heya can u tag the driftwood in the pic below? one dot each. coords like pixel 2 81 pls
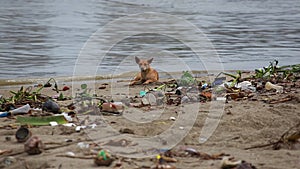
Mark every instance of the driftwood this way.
pixel 285 137
pixel 285 99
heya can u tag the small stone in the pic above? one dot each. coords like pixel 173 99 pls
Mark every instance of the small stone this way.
pixel 126 131
pixel 184 99
pixel 70 153
pixel 102 87
pixel 9 160
pixel 7 138
pixel 51 106
pixel 173 118
pixel 145 101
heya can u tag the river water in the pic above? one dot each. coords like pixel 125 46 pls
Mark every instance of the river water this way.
pixel 42 38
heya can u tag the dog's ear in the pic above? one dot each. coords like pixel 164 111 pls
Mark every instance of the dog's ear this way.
pixel 137 60
pixel 150 60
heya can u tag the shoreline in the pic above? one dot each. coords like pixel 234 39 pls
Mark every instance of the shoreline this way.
pixel 98 78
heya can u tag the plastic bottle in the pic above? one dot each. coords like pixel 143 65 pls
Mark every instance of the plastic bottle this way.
pixel 4 114
pixel 21 110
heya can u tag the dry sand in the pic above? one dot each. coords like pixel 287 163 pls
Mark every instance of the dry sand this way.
pixel 245 123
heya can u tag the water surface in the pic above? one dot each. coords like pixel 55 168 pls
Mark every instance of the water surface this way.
pixel 41 38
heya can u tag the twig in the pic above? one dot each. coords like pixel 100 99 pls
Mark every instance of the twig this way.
pixel 26 164
pixel 79 157
pixel 261 146
pixel 44 166
pixel 281 100
pixel 3 152
pixel 59 146
pixel 16 153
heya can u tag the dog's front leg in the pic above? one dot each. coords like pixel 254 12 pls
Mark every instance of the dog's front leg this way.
pixel 134 82
pixel 148 81
pixel 137 80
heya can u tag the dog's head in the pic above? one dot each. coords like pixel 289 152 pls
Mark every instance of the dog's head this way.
pixel 143 64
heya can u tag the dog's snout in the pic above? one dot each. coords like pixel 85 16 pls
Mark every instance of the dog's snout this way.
pixel 143 67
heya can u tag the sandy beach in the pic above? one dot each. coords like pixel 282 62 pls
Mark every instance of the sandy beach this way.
pixel 244 123
pixel 66 100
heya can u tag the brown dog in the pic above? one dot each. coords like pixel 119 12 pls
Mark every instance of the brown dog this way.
pixel 147 74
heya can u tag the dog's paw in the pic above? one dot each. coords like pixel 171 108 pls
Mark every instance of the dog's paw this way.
pixel 132 83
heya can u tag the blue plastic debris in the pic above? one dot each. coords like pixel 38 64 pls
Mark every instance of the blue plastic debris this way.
pixel 4 114
pixel 143 93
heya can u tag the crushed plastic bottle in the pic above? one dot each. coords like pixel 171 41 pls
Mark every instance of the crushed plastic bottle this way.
pixel 270 86
pixel 246 85
pixel 21 110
